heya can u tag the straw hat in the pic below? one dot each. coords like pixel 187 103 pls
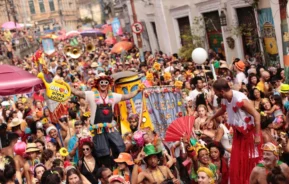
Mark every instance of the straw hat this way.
pixel 15 122
pixel 94 64
pixel 31 147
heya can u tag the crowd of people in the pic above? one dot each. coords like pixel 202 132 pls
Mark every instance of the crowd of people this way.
pixel 240 132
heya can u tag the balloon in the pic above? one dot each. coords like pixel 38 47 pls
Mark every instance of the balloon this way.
pixel 199 55
pixel 19 148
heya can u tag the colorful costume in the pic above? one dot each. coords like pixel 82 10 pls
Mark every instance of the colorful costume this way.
pixel 245 155
pixel 107 139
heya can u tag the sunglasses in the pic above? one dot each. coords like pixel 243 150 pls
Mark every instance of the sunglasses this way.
pixel 85 149
pixel 103 82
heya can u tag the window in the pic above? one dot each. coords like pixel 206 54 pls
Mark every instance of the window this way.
pixel 51 5
pixel 41 6
pixel 31 6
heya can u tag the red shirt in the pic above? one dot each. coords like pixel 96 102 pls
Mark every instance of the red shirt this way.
pixel 37 97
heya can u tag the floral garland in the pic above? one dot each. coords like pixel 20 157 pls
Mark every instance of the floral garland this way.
pixel 97 97
pixel 101 127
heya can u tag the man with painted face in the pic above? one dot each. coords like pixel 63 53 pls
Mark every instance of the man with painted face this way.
pixel 270 160
pixel 101 102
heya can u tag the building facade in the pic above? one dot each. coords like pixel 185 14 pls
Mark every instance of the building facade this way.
pixel 255 28
pixel 90 10
pixel 45 15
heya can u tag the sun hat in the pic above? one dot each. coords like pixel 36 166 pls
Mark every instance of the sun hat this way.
pixel 31 147
pixel 49 129
pixel 94 64
pixel 149 150
pixel 15 122
pixel 124 157
pixel 116 178
pixel 240 65
pixel 284 88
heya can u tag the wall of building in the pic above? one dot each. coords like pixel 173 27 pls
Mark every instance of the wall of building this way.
pixel 164 13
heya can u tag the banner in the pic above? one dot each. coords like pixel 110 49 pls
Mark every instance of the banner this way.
pixel 266 23
pixel 164 105
pixel 48 46
pixel 116 27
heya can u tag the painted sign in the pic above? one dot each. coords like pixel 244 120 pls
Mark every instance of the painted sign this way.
pixel 116 27
pixel 48 46
pixel 57 90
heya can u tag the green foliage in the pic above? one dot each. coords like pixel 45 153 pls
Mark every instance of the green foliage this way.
pixel 192 38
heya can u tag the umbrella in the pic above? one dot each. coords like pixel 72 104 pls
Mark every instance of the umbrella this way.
pixel 92 33
pixel 11 25
pixel 14 80
pixel 120 46
pixel 71 34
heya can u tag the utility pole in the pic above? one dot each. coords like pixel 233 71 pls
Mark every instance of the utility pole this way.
pixel 60 12
pixel 139 40
pixel 7 10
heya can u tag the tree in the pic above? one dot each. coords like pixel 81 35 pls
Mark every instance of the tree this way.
pixel 193 38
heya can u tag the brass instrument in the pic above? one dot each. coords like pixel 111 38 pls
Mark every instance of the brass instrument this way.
pixel 75 52
pixel 67 50
pixel 90 47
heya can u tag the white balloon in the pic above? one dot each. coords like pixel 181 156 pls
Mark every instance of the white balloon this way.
pixel 199 55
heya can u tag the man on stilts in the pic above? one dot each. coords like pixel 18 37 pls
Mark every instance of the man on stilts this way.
pixel 107 139
pixel 245 120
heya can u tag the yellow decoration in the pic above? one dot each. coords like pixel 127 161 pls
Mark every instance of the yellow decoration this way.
pixel 57 90
pixel 86 114
pixel 179 84
pixel 63 152
pixel 141 87
pixel 167 76
pixel 157 66
pixel 149 76
pixel 179 103
pixel 44 120
pixel 130 84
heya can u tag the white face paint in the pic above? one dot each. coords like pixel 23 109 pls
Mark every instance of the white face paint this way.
pixel 103 85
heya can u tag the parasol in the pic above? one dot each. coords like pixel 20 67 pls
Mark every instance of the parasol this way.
pixel 71 34
pixel 120 46
pixel 14 80
pixel 180 127
pixel 92 33
pixel 11 25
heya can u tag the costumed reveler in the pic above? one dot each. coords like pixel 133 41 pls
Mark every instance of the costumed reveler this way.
pixel 245 120
pixel 106 137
